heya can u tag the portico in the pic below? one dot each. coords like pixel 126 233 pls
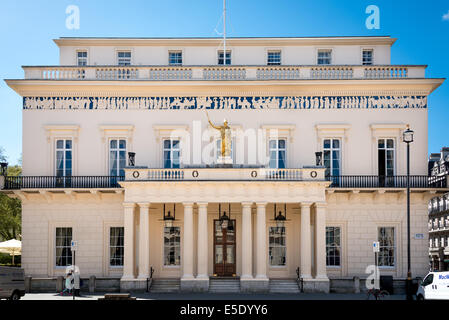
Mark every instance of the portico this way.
pixel 248 242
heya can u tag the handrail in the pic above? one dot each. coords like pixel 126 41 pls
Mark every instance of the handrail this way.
pixel 299 280
pixel 55 182
pixel 375 181
pixel 150 279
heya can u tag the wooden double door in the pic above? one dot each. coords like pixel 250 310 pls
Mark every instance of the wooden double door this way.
pixel 224 249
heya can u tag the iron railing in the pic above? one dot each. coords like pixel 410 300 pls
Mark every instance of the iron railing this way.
pixel 383 182
pixel 53 182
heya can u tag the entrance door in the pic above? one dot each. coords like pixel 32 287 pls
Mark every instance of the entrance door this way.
pixel 224 249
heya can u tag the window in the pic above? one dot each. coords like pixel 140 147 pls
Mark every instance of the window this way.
pixel 63 158
pixel 324 56
pixel 277 153
pixel 367 57
pixel 333 246
pixel 175 58
pixel 274 58
pixel 332 156
pixel 172 153
pixel 172 246
pixel 81 57
pixel 386 157
pixel 277 247
pixel 218 149
pixel 63 244
pixel 117 157
pixel 428 280
pixel 116 246
pixel 124 58
pixel 386 255
pixel 228 57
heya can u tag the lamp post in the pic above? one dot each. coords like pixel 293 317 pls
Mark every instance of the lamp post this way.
pixel 3 168
pixel 407 137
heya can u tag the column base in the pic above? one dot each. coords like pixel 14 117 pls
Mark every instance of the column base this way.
pixel 133 285
pixel 195 284
pixel 254 285
pixel 321 285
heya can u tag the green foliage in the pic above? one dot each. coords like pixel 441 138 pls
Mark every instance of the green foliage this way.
pixel 6 260
pixel 10 218
pixel 14 171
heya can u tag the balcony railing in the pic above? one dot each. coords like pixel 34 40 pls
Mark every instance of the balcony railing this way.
pixel 159 73
pixel 52 182
pixel 383 182
pixel 246 174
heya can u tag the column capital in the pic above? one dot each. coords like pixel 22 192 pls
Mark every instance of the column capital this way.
pixel 129 205
pixel 320 205
pixel 247 204
pixel 201 204
pixel 187 204
pixel 306 204
pixel 261 204
pixel 144 204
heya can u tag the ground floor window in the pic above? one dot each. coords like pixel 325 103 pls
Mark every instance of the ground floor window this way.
pixel 277 247
pixel 116 246
pixel 333 246
pixel 172 246
pixel 386 257
pixel 63 251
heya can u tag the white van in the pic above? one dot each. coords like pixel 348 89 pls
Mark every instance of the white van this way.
pixel 12 283
pixel 434 286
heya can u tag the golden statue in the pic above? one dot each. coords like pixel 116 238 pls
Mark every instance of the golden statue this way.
pixel 225 132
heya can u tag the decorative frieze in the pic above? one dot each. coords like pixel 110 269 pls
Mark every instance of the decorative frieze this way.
pixel 232 103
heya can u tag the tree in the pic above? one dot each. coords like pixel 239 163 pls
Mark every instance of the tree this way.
pixel 10 209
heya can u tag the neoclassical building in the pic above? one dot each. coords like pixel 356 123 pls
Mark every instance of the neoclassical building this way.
pixel 119 155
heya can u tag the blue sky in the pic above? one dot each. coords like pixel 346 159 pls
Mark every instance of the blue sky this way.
pixel 28 27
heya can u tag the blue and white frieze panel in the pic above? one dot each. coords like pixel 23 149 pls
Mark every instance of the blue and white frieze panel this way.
pixel 194 103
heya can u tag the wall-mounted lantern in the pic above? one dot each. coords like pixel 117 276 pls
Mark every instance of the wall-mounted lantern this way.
pixel 224 219
pixel 318 157
pixel 280 218
pixel 168 217
pixel 131 159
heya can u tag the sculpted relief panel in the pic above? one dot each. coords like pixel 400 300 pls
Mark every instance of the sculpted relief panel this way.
pixel 232 103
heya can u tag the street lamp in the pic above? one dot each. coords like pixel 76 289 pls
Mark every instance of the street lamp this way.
pixel 168 218
pixel 280 219
pixel 407 137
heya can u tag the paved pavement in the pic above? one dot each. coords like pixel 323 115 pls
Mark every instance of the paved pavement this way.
pixel 214 296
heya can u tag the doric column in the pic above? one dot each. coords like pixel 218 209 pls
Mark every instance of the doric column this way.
pixel 320 240
pixel 306 245
pixel 202 242
pixel 187 253
pixel 144 241
pixel 261 267
pixel 247 252
pixel 128 261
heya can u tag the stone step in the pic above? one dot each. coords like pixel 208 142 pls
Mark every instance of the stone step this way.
pixel 165 285
pixel 284 286
pixel 224 285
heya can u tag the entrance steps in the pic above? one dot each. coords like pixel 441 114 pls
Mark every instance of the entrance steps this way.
pixel 284 286
pixel 224 285
pixel 165 286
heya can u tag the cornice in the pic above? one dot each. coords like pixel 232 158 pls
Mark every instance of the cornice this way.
pixel 401 87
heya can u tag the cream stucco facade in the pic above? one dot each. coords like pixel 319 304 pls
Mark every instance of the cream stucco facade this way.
pixel 148 102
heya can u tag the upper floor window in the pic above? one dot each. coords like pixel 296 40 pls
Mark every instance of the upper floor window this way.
pixel 324 57
pixel 124 58
pixel 367 57
pixel 386 153
pixel 221 58
pixel 172 153
pixel 274 58
pixel 277 153
pixel 332 156
pixel 277 246
pixel 116 246
pixel 63 157
pixel 333 246
pixel 387 247
pixel 117 157
pixel 175 58
pixel 81 58
pixel 63 242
